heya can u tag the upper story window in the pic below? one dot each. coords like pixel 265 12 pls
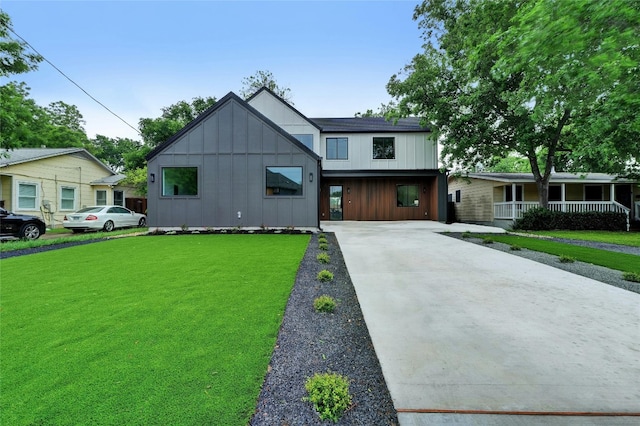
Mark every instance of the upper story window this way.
pixel 337 148
pixel 179 181
pixel 67 198
pixel 384 148
pixel 284 181
pixel 307 140
pixel 27 195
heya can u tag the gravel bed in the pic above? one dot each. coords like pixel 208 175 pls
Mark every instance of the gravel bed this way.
pixel 598 273
pixel 311 342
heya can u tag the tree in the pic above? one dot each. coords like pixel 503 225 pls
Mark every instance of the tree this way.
pixel 260 79
pixel 154 131
pixel 553 81
pixel 113 151
pixel 383 111
pixel 22 121
pixel 15 57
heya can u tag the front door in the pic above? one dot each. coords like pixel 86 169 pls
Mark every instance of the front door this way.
pixel 335 202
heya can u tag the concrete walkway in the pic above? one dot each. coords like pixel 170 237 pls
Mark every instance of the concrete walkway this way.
pixel 486 337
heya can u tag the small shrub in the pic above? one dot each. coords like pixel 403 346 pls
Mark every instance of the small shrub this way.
pixel 631 276
pixel 515 247
pixel 563 258
pixel 324 303
pixel 487 240
pixel 323 246
pixel 184 227
pixel 329 394
pixel 322 240
pixel 325 276
pixel 322 235
pixel 323 258
pixel 467 234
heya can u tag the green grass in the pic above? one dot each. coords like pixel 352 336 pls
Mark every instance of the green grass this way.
pixel 65 237
pixel 624 238
pixel 619 261
pixel 143 330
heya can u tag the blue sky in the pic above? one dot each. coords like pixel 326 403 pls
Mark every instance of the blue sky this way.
pixel 139 56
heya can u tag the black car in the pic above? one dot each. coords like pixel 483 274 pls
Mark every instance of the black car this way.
pixel 21 225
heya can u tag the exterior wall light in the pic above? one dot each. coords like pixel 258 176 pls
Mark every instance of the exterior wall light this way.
pixel 310 177
pixel 153 177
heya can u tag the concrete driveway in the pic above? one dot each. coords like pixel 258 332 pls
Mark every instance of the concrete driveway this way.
pixel 470 335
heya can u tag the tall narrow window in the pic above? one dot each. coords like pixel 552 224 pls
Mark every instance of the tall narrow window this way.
pixel 27 194
pixel 118 198
pixel 508 193
pixel 384 148
pixel 408 195
pixel 284 181
pixel 101 197
pixel 337 148
pixel 179 181
pixel 67 198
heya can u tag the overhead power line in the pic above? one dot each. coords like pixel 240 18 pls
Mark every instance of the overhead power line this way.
pixel 74 83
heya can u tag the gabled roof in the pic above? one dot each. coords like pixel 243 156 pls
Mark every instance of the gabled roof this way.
pixel 25 155
pixel 560 177
pixel 369 125
pixel 212 109
pixel 287 104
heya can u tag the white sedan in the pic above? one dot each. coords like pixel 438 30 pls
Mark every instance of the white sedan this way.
pixel 106 218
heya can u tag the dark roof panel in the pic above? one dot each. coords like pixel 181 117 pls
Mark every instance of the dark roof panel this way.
pixel 369 125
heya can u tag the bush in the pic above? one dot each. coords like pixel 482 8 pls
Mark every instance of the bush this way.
pixel 467 234
pixel 515 247
pixel 631 276
pixel 325 276
pixel 540 219
pixel 487 240
pixel 329 394
pixel 323 246
pixel 324 303
pixel 323 258
pixel 566 259
pixel 323 240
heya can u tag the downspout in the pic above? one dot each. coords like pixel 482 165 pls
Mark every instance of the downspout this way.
pixel 318 194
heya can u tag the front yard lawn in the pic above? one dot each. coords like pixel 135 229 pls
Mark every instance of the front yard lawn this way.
pixel 144 330
pixel 613 260
pixel 624 238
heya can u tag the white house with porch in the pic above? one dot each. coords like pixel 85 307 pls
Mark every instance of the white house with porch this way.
pixel 501 198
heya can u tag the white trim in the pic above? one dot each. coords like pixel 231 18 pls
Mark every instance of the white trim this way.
pixel 16 206
pixel 75 198
pixel 106 197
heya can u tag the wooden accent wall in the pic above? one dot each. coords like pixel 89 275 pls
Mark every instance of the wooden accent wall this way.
pixel 376 198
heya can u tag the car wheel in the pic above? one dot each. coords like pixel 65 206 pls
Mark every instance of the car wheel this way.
pixel 142 222
pixel 108 226
pixel 30 232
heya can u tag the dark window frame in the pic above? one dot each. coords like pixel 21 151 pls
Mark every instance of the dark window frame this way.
pixel 179 189
pixel 384 148
pixel 287 184
pixel 336 151
pixel 404 199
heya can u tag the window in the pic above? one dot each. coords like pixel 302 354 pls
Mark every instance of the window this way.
pixel 101 197
pixel 307 140
pixel 284 181
pixel 408 195
pixel 555 193
pixel 179 181
pixel 27 195
pixel 593 192
pixel 118 198
pixel 384 148
pixel 337 148
pixel 508 193
pixel 67 198
pixel 458 196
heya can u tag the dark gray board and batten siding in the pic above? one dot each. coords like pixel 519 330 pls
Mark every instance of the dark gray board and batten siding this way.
pixel 232 144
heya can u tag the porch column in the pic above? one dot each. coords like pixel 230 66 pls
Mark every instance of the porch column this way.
pixel 563 197
pixel 612 192
pixel 513 201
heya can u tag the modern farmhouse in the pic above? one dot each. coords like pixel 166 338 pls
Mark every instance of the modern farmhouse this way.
pixel 261 162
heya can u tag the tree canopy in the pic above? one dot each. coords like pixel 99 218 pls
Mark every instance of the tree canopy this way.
pixel 15 55
pixel 260 79
pixel 556 82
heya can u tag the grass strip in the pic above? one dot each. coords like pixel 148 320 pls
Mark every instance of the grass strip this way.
pixel 613 260
pixel 624 238
pixel 143 330
pixel 64 238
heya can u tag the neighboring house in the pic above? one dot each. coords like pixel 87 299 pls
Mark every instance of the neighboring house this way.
pixel 261 162
pixel 50 182
pixel 372 169
pixel 500 198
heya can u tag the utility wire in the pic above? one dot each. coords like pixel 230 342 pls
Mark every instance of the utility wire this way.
pixel 76 84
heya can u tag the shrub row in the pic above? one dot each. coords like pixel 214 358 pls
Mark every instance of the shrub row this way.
pixel 539 218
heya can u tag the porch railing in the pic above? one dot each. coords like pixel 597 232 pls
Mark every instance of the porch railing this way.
pixel 510 210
